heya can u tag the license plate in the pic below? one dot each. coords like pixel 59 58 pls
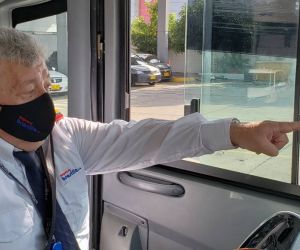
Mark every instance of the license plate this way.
pixel 55 87
pixel 167 74
pixel 152 77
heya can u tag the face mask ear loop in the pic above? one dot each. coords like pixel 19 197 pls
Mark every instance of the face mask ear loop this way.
pixel 52 148
pixel 1 107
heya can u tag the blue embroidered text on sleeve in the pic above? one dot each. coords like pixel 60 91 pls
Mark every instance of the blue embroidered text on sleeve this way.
pixel 68 173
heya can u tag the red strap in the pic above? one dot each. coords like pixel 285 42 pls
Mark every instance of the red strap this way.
pixel 58 116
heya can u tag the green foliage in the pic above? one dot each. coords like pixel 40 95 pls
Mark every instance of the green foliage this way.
pixel 144 35
pixel 194 31
pixel 195 25
pixel 232 30
pixel 141 38
pixel 177 31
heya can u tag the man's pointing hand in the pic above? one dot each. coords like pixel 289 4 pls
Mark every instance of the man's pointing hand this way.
pixel 265 137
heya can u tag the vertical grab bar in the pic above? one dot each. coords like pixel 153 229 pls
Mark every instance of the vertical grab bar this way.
pixel 195 106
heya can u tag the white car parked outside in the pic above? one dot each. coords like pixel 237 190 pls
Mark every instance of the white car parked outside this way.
pixel 59 82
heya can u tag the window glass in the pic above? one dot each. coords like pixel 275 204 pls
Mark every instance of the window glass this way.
pixel 51 33
pixel 157 83
pixel 237 56
pixel 242 55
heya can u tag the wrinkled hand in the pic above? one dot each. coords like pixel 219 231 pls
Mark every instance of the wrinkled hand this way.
pixel 265 137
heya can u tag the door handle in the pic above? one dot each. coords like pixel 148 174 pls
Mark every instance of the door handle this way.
pixel 151 184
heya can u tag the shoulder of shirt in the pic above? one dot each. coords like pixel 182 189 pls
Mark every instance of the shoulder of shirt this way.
pixel 65 121
pixel 59 117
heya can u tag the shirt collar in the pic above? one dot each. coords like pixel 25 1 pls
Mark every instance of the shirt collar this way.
pixel 6 151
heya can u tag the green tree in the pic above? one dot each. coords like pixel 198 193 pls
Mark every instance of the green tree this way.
pixel 195 28
pixel 195 25
pixel 231 29
pixel 144 35
pixel 177 31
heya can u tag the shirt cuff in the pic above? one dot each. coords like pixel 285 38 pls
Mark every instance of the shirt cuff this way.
pixel 216 135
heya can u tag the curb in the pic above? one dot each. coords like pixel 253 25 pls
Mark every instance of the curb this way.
pixel 183 79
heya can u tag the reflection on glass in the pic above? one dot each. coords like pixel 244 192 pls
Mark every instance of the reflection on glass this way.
pixel 248 65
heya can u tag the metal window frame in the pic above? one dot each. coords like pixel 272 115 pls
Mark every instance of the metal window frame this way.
pixel 33 12
pixel 295 151
pixel 97 78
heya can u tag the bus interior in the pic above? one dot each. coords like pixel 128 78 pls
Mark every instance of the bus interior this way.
pixel 229 58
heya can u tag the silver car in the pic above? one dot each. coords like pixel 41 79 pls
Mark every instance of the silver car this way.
pixel 141 71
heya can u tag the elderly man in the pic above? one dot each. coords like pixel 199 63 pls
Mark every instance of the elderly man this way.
pixel 44 162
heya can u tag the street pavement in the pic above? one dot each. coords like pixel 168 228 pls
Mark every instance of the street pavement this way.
pixel 161 101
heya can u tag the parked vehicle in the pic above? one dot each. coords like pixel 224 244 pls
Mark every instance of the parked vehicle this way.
pixel 59 82
pixel 143 72
pixel 165 68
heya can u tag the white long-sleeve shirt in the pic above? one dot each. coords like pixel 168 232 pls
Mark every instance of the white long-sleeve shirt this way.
pixel 86 148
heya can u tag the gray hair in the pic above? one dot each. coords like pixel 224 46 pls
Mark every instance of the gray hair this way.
pixel 19 47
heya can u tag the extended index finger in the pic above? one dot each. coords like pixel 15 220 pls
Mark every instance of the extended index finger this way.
pixel 287 127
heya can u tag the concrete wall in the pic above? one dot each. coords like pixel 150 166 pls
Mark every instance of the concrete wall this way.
pixel 48 42
pixel 51 33
pixel 134 9
pixel 193 65
pixel 177 61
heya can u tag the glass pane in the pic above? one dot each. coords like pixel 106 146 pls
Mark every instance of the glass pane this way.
pixel 157 83
pixel 242 55
pixel 51 33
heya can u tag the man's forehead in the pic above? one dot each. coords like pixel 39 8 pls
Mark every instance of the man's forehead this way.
pixel 21 69
pixel 37 64
pixel 16 75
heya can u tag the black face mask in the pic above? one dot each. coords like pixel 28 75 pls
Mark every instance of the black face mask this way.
pixel 32 121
